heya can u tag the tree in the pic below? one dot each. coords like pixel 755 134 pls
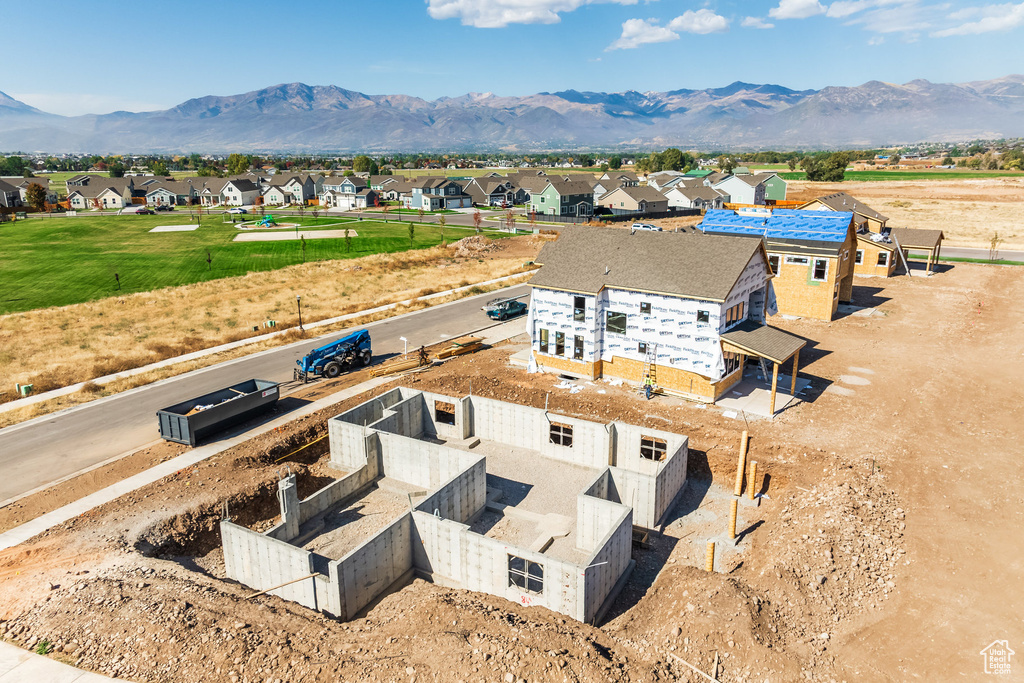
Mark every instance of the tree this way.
pixel 159 168
pixel 674 159
pixel 441 220
pixel 374 169
pixel 361 164
pixel 116 170
pixel 384 210
pixel 792 164
pixel 615 163
pixel 894 159
pixel 348 241
pixel 238 164
pixel 420 212
pixel 36 196
pixel 510 220
pixel 993 246
pixel 725 163
pixel 412 232
pixel 948 161
pixel 303 238
pixel 315 213
pixel 825 167
pixel 477 219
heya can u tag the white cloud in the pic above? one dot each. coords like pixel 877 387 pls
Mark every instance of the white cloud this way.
pixel 876 40
pixel 756 22
pixel 991 18
pixel 637 32
pixel 796 9
pixel 893 16
pixel 76 104
pixel 499 13
pixel 702 21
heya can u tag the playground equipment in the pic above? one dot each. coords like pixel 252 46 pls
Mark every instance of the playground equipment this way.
pixel 266 222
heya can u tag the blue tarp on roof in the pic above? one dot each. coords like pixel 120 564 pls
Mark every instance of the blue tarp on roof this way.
pixel 783 224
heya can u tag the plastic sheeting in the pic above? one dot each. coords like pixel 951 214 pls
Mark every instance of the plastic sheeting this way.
pixel 786 224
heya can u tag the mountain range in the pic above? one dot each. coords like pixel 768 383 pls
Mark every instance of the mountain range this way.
pixel 295 117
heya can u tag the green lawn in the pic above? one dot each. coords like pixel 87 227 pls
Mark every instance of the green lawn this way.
pixel 61 261
pixel 937 174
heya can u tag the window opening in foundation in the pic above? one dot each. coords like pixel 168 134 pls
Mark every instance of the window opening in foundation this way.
pixel 525 575
pixel 579 309
pixel 560 434
pixel 653 448
pixel 444 413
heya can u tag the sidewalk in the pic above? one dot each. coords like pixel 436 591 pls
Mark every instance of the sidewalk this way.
pixel 22 666
pixel 22 533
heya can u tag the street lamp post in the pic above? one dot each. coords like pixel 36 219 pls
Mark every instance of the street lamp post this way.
pixel 298 302
pixel 405 342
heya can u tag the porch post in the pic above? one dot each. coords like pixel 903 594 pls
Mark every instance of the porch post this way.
pixel 775 382
pixel 796 369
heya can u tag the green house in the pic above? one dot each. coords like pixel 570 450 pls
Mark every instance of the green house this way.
pixel 774 188
pixel 564 198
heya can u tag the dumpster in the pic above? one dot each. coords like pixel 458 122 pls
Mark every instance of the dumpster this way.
pixel 193 420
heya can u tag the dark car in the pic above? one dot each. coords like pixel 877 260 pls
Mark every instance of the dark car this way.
pixel 149 212
pixel 504 309
pixel 165 207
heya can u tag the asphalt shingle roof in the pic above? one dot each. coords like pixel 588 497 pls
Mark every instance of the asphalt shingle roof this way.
pixel 840 201
pixel 917 239
pixel 692 265
pixel 765 341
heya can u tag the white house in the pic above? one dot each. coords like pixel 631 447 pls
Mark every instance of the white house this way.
pixel 684 196
pixel 681 308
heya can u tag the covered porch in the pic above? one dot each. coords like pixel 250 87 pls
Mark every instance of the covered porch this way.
pixel 908 239
pixel 751 340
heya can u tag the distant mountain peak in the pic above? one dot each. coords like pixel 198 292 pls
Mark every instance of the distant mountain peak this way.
pixel 297 117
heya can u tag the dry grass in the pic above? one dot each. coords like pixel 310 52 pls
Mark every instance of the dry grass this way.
pixel 969 212
pixel 56 347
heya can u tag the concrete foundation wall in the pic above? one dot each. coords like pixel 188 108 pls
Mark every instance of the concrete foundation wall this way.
pixel 439 429
pixel 333 493
pixel 648 486
pixel 370 568
pixel 260 562
pixel 596 516
pixel 529 428
pixel 462 497
pixel 604 568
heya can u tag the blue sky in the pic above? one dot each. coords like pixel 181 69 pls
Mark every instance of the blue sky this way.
pixel 142 56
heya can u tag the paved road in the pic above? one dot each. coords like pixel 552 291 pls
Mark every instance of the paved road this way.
pixel 966 252
pixel 41 451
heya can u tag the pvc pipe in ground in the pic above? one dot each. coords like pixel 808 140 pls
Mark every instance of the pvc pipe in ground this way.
pixel 751 480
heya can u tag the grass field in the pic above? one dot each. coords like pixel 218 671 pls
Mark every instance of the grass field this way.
pixel 56 262
pixel 937 174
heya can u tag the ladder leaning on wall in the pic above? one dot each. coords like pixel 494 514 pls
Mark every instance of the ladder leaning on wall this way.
pixel 650 369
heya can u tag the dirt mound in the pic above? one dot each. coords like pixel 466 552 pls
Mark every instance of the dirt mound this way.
pixel 474 245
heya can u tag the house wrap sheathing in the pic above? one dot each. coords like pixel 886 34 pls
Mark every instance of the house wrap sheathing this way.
pixel 428 446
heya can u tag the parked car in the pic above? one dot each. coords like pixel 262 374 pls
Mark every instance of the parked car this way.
pixel 646 226
pixel 237 209
pixel 148 212
pixel 503 309
pixel 165 207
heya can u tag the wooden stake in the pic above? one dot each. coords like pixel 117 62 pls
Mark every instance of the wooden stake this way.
pixel 733 505
pixel 751 482
pixel 741 464
pixel 683 661
pixel 709 557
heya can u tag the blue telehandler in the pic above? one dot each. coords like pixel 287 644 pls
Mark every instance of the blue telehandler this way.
pixel 332 359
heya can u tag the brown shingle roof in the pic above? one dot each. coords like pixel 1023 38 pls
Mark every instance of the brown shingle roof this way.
pixel 917 239
pixel 840 201
pixel 691 265
pixel 570 187
pixel 639 194
pixel 764 341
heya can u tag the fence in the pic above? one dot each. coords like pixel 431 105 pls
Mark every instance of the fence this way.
pixel 610 218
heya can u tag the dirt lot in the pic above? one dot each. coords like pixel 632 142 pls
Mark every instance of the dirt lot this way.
pixel 969 212
pixel 890 494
